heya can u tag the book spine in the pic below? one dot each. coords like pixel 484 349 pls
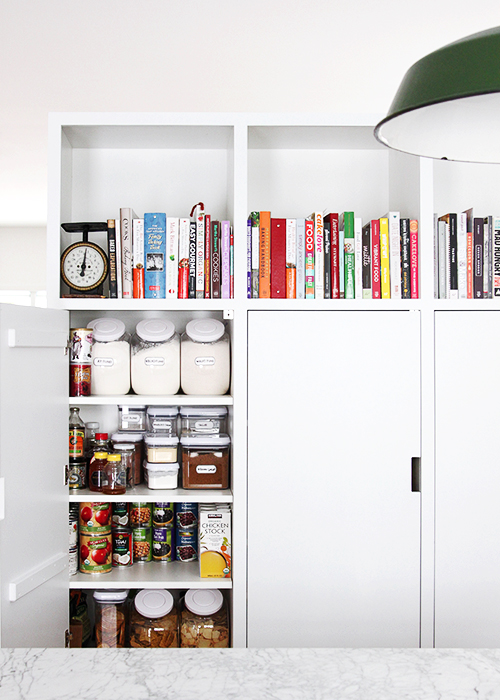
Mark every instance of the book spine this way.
pixel 249 258
pixel 447 257
pixel 118 258
pixel 200 252
pixel 126 237
pixel 319 256
pixel 192 260
pixel 496 256
pixel 291 258
pixel 453 257
pixel 301 258
pixel 334 255
pixel 414 271
pixel 442 258
pixel 349 255
pixel 309 232
pixel 207 271
pixel 225 259
pixel 478 258
pixel 112 259
pixel 278 258
pixel 215 255
pixel 231 263
pixel 138 258
pixel 436 258
pixel 404 228
pixel 488 258
pixel 366 261
pixel 265 254
pixel 255 218
pixel 385 275
pixel 155 248
pixel 183 282
pixel 358 259
pixel 470 265
pixel 376 287
pixel 394 254
pixel 327 240
pixel 462 255
pixel 341 261
pixel 172 261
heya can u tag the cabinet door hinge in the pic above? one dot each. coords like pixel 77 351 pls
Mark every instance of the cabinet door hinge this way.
pixel 67 639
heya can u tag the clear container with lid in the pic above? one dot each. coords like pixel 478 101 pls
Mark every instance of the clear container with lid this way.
pixel 110 357
pixel 110 618
pixel 162 419
pixel 136 440
pixel 204 621
pixel 131 417
pixel 154 620
pixel 205 461
pixel 204 420
pixel 161 476
pixel 127 452
pixel 161 447
pixel 156 361
pixel 115 475
pixel 205 358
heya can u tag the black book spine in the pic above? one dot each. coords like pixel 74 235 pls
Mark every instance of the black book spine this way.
pixel 478 258
pixel 192 260
pixel 404 227
pixel 453 253
pixel 327 255
pixel 113 288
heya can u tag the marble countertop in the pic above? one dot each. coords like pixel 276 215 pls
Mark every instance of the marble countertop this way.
pixel 250 674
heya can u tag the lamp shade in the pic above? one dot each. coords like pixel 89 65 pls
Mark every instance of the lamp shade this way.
pixel 448 105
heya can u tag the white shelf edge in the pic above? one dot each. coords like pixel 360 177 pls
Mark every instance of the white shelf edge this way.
pixel 145 495
pixel 135 400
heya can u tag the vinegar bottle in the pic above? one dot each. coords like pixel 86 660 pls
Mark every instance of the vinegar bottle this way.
pixel 76 435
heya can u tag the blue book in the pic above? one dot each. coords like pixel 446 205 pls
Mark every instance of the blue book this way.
pixel 155 250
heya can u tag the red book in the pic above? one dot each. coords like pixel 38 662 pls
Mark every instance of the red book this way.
pixel 278 258
pixel 375 258
pixel 414 258
pixel 334 254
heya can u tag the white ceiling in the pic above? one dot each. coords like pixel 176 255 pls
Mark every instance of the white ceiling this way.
pixel 201 55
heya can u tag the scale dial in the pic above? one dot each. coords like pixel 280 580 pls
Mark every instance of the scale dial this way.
pixel 84 266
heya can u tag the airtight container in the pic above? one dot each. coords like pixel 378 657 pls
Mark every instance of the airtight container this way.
pixel 161 476
pixel 204 620
pixel 154 620
pixel 161 447
pixel 110 357
pixel 162 419
pixel 208 420
pixel 205 462
pixel 136 440
pixel 131 417
pixel 155 364
pixel 205 358
pixel 110 618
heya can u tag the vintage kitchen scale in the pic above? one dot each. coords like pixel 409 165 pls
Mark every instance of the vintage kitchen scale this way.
pixel 84 265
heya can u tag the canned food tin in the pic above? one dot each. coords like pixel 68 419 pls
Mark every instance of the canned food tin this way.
pixel 163 514
pixel 120 517
pixel 79 380
pixel 140 515
pixel 95 518
pixel 186 545
pixel 142 544
pixel 95 553
pixel 186 516
pixel 73 526
pixel 122 547
pixel 80 341
pixel 162 544
pixel 73 561
pixel 77 475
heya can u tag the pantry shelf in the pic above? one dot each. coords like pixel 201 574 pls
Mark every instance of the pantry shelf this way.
pixel 143 400
pixel 142 493
pixel 175 574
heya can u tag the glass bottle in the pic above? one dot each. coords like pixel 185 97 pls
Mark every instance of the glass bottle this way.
pixel 76 435
pixel 115 475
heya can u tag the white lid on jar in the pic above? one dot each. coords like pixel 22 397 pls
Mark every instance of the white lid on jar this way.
pixel 203 601
pixel 209 441
pixel 164 411
pixel 107 329
pixel 120 446
pixel 160 440
pixel 111 595
pixel 154 602
pixel 155 330
pixel 205 330
pixel 207 411
pixel 159 468
pixel 127 436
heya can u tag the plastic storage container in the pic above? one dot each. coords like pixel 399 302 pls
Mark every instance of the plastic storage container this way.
pixel 204 620
pixel 161 447
pixel 205 358
pixel 154 620
pixel 135 439
pixel 132 418
pixel 206 420
pixel 205 462
pixel 110 618
pixel 155 365
pixel 162 419
pixel 110 357
pixel 161 476
pixel 127 452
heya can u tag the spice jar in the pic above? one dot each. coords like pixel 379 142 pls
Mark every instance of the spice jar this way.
pixel 162 419
pixel 205 362
pixel 205 462
pixel 153 620
pixel 110 357
pixel 97 468
pixel 115 475
pixel 135 439
pixel 204 620
pixel 110 618
pixel 155 364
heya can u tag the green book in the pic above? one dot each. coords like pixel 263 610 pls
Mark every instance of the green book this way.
pixel 348 225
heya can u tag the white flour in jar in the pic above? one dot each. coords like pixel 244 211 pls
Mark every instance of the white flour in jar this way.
pixel 204 367
pixel 110 368
pixel 157 369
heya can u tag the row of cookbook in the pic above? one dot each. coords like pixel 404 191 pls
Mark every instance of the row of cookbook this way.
pixel 332 256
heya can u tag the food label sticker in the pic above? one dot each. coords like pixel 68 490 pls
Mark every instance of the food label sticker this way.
pixel 103 361
pixel 204 361
pixel 154 361
pixel 206 469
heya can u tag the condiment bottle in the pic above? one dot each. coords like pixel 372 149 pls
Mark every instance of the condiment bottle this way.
pixel 76 435
pixel 97 471
pixel 115 478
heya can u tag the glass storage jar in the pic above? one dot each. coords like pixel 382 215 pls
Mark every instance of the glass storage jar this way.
pixel 136 439
pixel 110 618
pixel 127 452
pixel 115 476
pixel 155 364
pixel 205 461
pixel 203 420
pixel 204 620
pixel 153 620
pixel 110 357
pixel 205 360
pixel 162 419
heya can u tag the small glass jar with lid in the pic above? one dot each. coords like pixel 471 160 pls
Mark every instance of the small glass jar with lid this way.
pixel 127 452
pixel 155 364
pixel 110 357
pixel 115 475
pixel 204 621
pixel 162 419
pixel 110 618
pixel 203 420
pixel 205 358
pixel 154 620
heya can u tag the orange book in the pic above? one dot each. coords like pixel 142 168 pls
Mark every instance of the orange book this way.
pixel 265 255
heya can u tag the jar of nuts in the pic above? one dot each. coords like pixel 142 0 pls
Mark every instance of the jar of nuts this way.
pixel 154 620
pixel 110 618
pixel 204 620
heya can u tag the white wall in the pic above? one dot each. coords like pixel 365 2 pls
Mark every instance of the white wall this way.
pixel 22 257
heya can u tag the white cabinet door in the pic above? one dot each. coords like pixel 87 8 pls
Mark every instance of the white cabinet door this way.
pixel 467 479
pixel 333 523
pixel 33 451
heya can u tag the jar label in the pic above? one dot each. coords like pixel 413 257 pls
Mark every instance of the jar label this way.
pixel 154 361
pixel 161 424
pixel 131 418
pixel 205 425
pixel 103 361
pixel 206 469
pixel 204 361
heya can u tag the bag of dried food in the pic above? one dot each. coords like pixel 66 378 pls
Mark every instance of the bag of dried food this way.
pixel 154 620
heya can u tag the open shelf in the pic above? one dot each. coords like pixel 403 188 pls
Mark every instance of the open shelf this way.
pixel 141 493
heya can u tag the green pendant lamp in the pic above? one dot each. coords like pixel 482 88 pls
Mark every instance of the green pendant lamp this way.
pixel 448 105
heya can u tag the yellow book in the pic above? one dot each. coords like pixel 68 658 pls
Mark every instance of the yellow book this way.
pixel 385 275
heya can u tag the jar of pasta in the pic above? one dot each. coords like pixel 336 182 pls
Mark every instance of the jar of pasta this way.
pixel 110 618
pixel 154 620
pixel 204 620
